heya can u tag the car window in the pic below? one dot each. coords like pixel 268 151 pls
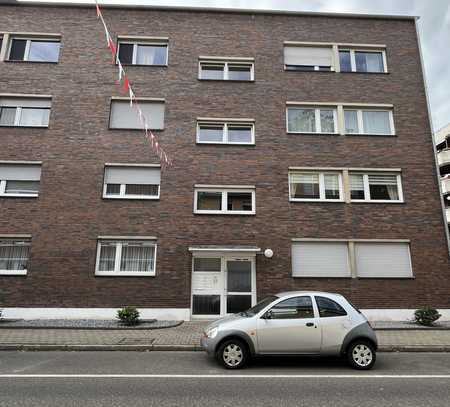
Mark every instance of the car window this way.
pixel 293 308
pixel 261 305
pixel 329 308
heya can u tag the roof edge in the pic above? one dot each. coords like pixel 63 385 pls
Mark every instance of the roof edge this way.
pixel 210 9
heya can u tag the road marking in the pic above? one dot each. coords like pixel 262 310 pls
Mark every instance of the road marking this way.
pixel 223 376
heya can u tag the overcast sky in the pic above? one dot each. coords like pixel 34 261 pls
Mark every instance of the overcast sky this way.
pixel 434 27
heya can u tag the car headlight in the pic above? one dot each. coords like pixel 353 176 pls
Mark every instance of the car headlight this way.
pixel 212 332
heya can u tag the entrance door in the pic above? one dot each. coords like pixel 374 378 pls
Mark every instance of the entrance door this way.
pixel 240 293
pixel 222 284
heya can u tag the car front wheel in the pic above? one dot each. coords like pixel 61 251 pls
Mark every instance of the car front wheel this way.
pixel 361 355
pixel 232 354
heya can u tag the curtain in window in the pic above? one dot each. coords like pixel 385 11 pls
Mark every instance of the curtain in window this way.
pixel 151 55
pixel 386 182
pixel 369 61
pixel 22 187
pixel 107 257
pixel 304 185
pixel 34 117
pixel 357 186
pixel 137 258
pixel 331 186
pixel 302 120
pixel 326 121
pixel 351 121
pixel 14 256
pixel 376 122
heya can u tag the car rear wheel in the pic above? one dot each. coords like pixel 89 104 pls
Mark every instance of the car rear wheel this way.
pixel 361 355
pixel 232 354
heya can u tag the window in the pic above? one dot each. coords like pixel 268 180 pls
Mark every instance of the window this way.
pixel 126 258
pixel 311 120
pixel 151 52
pixel 19 180
pixel 376 187
pixel 293 308
pixel 30 112
pixel 14 255
pixel 132 182
pixel 352 60
pixel 208 264
pixel 320 259
pixel 330 259
pixel 224 201
pixel 34 50
pixel 371 121
pixel 329 308
pixel 308 58
pixel 315 186
pixel 219 69
pixel 383 260
pixel 124 116
pixel 225 133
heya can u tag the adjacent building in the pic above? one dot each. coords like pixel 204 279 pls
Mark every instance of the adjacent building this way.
pixel 302 149
pixel 442 139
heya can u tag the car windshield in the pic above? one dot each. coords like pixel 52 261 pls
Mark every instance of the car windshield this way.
pixel 261 305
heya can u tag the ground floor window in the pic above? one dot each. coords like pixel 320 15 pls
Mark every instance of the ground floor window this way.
pixel 14 255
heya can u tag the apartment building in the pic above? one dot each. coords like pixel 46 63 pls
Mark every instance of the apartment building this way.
pixel 302 150
pixel 442 140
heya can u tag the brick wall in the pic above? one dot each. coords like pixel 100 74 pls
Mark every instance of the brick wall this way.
pixel 69 214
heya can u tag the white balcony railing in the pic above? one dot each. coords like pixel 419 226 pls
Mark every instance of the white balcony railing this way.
pixel 444 157
pixel 446 185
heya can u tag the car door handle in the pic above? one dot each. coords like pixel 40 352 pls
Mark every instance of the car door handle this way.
pixel 310 324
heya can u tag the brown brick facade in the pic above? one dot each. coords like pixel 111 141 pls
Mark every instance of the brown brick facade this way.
pixel 70 213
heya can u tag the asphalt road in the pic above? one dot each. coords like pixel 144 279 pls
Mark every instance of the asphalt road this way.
pixel 191 379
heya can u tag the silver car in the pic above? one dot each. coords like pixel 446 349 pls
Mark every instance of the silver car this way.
pixel 293 323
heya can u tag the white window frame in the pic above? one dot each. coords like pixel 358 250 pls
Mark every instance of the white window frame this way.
pixel 136 43
pixel 225 125
pixel 226 64
pixel 224 191
pixel 18 115
pixel 118 258
pixel 353 58
pixel 361 130
pixel 26 54
pixel 367 198
pixel 321 186
pixel 316 117
pixel 3 192
pixel 25 242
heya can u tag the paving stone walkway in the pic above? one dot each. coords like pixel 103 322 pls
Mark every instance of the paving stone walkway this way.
pixel 187 336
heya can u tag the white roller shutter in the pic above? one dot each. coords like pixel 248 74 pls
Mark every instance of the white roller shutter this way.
pixel 123 116
pixel 133 175
pixel 320 259
pixel 25 102
pixel 19 172
pixel 308 56
pixel 383 260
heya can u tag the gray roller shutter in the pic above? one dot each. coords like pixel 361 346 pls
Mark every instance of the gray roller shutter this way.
pixel 308 56
pixel 20 172
pixel 124 116
pixel 320 259
pixel 133 175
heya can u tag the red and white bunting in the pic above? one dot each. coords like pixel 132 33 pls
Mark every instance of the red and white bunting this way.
pixel 125 88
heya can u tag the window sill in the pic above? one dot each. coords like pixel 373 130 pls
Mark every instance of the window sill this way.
pixel 125 274
pixel 312 134
pixel 19 195
pixel 23 127
pixel 377 202
pixel 386 278
pixel 138 198
pixel 214 143
pixel 371 134
pixel 145 65
pixel 328 277
pixel 32 62
pixel 227 80
pixel 238 213
pixel 13 272
pixel 132 129
pixel 365 73
pixel 317 200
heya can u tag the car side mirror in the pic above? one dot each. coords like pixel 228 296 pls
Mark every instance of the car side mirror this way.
pixel 268 315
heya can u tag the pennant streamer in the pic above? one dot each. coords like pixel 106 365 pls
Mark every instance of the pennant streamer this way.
pixel 125 87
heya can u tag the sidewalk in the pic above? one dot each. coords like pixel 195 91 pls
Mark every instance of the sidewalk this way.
pixel 186 337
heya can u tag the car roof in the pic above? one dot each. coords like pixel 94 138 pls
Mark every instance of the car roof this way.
pixel 295 293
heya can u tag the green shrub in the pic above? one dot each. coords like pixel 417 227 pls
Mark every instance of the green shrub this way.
pixel 128 316
pixel 426 316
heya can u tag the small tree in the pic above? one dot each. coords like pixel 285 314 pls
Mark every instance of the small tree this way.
pixel 426 316
pixel 128 316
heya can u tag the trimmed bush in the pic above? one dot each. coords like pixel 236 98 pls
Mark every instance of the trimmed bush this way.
pixel 128 316
pixel 426 316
